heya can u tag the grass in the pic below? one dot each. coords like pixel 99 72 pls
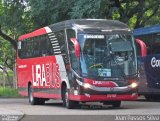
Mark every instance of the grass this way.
pixel 8 92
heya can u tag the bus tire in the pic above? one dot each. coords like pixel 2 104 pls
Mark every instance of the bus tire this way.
pixel 116 104
pixel 148 97
pixel 65 97
pixel 152 97
pixel 32 99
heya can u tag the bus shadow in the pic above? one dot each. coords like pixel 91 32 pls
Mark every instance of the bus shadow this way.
pixel 99 106
pixel 54 104
pixel 88 106
pixel 145 100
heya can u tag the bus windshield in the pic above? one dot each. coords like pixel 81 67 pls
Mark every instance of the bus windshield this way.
pixel 107 56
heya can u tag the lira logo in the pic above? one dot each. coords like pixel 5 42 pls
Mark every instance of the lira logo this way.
pixel 46 75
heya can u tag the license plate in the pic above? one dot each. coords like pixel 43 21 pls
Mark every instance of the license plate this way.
pixel 111 95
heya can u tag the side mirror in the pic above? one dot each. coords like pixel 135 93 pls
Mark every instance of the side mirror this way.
pixel 142 46
pixel 76 47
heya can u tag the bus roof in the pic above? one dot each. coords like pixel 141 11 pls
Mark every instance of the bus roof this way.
pixel 81 25
pixel 86 24
pixel 146 30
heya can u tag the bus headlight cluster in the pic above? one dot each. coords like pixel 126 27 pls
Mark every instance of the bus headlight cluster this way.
pixel 86 85
pixel 134 85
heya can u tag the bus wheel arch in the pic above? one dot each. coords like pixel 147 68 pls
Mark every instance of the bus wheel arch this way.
pixel 33 100
pixel 65 97
pixel 29 84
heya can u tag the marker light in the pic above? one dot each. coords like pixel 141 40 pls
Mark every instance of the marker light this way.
pixel 86 85
pixel 134 85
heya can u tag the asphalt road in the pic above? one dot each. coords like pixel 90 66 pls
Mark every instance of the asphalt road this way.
pixel 19 109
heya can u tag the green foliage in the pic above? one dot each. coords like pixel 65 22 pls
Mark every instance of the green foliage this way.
pixel 132 21
pixel 8 92
pixel 23 16
pixel 84 9
pixel 14 19
pixel 45 12
pixel 1 8
pixel 97 9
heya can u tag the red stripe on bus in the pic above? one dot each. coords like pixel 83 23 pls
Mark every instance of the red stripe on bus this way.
pixel 23 93
pixel 33 34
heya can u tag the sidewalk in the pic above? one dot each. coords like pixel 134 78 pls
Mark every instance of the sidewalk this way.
pixel 10 115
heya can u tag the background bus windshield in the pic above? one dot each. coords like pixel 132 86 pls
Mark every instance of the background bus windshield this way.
pixel 107 56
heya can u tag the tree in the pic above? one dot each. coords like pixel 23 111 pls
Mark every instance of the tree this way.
pixel 139 12
pixel 101 9
pixel 2 22
pixel 7 58
pixel 44 12
pixel 18 17
pixel 136 13
pixel 8 38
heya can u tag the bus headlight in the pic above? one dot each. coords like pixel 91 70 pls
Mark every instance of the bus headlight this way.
pixel 134 85
pixel 86 85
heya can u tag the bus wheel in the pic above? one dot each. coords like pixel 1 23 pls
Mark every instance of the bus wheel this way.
pixel 148 97
pixel 65 97
pixel 32 99
pixel 152 97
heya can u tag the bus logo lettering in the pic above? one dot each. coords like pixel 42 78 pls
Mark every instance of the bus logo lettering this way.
pixel 46 75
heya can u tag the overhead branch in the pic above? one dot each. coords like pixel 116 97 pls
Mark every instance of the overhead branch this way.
pixel 10 66
pixel 119 6
pixel 6 37
pixel 149 17
pixel 140 13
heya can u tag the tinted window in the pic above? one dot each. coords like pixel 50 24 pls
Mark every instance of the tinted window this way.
pixel 35 47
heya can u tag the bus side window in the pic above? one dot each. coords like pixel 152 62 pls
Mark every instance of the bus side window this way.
pixel 35 48
pixel 23 52
pixel 20 49
pixel 45 48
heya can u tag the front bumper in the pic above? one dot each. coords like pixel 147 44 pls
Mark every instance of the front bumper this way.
pixel 107 97
pixel 92 93
pixel 92 89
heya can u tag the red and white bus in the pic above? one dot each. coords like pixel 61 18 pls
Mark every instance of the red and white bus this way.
pixel 82 60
